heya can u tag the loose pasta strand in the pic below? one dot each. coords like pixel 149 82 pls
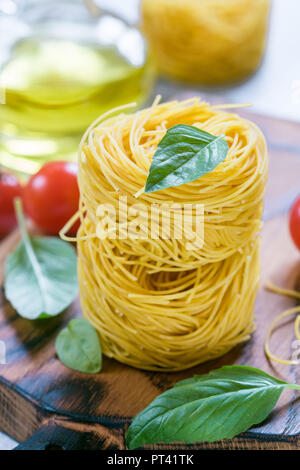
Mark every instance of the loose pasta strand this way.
pixel 292 311
pixel 275 322
pixel 279 290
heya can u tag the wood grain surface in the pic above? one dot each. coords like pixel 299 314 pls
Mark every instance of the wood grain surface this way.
pixel 50 405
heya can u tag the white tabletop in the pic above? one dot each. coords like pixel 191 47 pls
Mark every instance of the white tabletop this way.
pixel 273 90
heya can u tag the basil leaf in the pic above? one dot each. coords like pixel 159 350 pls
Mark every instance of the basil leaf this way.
pixel 236 373
pixel 78 347
pixel 40 274
pixel 211 407
pixel 184 154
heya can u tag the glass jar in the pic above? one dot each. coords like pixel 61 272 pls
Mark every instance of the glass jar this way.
pixel 61 66
pixel 210 42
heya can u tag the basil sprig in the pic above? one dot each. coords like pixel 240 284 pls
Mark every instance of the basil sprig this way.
pixel 40 274
pixel 184 154
pixel 78 347
pixel 208 407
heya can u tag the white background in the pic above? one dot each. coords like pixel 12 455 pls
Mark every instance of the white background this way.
pixel 270 90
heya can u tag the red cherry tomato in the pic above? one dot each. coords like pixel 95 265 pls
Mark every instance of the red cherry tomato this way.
pixel 51 196
pixel 295 222
pixel 9 189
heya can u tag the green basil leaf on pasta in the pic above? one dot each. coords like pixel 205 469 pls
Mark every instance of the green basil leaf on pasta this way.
pixel 211 407
pixel 184 154
pixel 78 347
pixel 40 274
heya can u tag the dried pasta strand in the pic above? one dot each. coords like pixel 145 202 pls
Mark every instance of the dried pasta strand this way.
pixel 292 311
pixel 275 322
pixel 279 290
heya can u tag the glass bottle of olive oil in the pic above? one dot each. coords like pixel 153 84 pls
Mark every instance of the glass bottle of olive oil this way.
pixel 65 71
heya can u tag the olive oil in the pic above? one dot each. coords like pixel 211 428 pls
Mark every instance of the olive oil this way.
pixel 54 89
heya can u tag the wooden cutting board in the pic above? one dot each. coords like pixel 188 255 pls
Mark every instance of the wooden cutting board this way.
pixel 49 406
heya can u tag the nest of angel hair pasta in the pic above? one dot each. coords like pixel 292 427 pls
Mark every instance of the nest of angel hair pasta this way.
pixel 156 304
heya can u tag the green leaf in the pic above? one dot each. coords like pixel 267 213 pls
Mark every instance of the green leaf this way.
pixel 184 154
pixel 211 407
pixel 40 274
pixel 78 347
